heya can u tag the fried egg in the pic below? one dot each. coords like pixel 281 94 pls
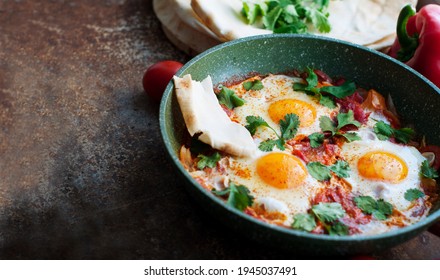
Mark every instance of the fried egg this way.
pixel 382 169
pixel 277 99
pixel 280 178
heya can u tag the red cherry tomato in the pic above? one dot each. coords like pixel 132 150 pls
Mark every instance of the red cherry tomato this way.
pixel 157 77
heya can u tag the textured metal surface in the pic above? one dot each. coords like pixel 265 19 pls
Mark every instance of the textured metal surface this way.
pixel 83 173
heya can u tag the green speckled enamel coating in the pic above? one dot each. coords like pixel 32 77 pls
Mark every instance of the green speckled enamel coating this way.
pixel 416 99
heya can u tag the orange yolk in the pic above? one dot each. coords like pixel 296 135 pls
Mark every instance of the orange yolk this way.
pixel 305 111
pixel 382 166
pixel 281 171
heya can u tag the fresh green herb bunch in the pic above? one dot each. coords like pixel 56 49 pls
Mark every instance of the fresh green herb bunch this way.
pixel 288 16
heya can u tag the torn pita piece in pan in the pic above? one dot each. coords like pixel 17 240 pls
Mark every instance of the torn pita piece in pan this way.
pixel 366 22
pixel 203 115
pixel 182 35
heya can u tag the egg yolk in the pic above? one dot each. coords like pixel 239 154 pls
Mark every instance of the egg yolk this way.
pixel 281 171
pixel 305 111
pixel 382 166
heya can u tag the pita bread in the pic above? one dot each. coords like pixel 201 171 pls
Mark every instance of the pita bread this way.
pixel 365 22
pixel 224 19
pixel 203 114
pixel 180 34
pixel 187 15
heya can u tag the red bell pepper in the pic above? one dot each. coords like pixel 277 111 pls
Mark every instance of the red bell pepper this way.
pixel 418 40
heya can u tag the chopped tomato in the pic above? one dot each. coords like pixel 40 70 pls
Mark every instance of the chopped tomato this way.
pixel 354 102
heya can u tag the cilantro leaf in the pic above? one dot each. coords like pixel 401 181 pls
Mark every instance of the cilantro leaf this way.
pixel 289 126
pixel 268 145
pixel 344 90
pixel 341 169
pixel 228 98
pixel 338 228
pixel 413 194
pixel 403 135
pixel 290 16
pixel 327 101
pixel 350 136
pixel 239 196
pixel 253 85
pixel 319 171
pixel 316 139
pixel 366 203
pixel 380 209
pixel 346 119
pixel 428 171
pixel 328 212
pixel 208 161
pixel 384 131
pixel 326 124
pixel 305 222
pixel 255 122
pixel 384 209
pixel 251 12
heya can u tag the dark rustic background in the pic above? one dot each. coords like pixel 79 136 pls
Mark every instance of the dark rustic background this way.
pixel 83 173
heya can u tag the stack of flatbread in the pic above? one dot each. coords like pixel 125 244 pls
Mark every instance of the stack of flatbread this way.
pixel 196 25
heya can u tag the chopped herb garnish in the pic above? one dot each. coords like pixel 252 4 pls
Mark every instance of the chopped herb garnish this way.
pixel 344 119
pixel 380 209
pixel 328 212
pixel 253 85
pixel 316 139
pixel 208 161
pixel 288 126
pixel 305 222
pixel 255 122
pixel 288 16
pixel 413 194
pixel 384 131
pixel 428 171
pixel 344 90
pixel 321 172
pixel 338 228
pixel 239 196
pixel 229 98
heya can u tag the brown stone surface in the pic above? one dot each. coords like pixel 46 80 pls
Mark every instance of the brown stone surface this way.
pixel 83 173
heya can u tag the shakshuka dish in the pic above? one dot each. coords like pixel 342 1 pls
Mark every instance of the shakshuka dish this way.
pixel 307 151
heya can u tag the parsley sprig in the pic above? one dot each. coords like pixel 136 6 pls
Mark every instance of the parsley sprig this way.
pixel 380 209
pixel 229 98
pixel 342 91
pixel 322 172
pixel 239 196
pixel 327 213
pixel 384 131
pixel 288 127
pixel 288 16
